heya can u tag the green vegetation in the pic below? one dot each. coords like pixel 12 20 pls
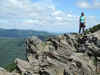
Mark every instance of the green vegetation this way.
pixel 93 29
pixel 95 61
pixel 10 67
pixel 43 44
pixel 11 48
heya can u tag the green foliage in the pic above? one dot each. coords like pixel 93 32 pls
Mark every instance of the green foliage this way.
pixel 93 29
pixel 73 33
pixel 87 31
pixel 10 67
pixel 43 44
pixel 11 48
pixel 95 61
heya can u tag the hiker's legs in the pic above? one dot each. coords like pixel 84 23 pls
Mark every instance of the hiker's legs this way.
pixel 80 29
pixel 83 29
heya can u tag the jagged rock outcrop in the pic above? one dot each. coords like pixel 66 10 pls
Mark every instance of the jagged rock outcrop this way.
pixel 59 56
pixel 68 54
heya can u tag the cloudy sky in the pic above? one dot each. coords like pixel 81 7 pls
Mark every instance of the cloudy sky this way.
pixel 48 15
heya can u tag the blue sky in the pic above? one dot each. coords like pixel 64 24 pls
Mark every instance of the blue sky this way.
pixel 48 15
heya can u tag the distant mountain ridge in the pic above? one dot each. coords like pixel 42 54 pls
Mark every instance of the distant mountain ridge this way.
pixel 12 43
pixel 15 33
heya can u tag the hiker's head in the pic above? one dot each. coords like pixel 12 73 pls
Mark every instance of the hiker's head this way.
pixel 82 14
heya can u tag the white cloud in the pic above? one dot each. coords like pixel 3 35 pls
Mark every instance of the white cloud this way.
pixel 69 15
pixel 59 18
pixel 97 3
pixel 57 13
pixel 85 4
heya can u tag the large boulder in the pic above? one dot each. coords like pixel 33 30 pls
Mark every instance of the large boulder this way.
pixel 24 67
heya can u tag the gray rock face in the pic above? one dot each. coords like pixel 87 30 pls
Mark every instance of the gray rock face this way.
pixel 67 54
pixel 90 44
pixel 57 56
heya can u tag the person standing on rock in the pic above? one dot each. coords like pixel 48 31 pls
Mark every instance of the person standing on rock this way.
pixel 82 22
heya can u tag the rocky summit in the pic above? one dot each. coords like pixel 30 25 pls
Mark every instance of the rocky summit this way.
pixel 67 54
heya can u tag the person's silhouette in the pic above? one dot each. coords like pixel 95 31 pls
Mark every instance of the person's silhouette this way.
pixel 82 22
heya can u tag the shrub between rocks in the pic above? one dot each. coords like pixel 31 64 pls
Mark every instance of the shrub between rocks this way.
pixel 10 67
